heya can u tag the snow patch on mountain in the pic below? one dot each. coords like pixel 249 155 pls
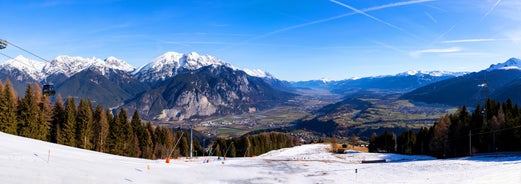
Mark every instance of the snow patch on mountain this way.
pixel 257 73
pixel 510 64
pixel 69 65
pixel 171 63
pixel 118 64
pixel 66 65
pixel 431 73
pixel 29 66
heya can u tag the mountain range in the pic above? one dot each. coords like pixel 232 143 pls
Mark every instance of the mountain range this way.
pixel 500 81
pixel 401 82
pixel 172 86
pixel 176 86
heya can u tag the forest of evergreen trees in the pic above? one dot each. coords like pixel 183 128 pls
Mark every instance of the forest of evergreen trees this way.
pixel 494 127
pixel 95 128
pixel 253 145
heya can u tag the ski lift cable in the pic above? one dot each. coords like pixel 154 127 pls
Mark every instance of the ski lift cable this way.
pixel 14 45
pixel 7 56
pixel 48 88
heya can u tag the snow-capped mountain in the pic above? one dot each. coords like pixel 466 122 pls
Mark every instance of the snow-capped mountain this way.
pixel 431 73
pixel 65 65
pixel 512 63
pixel 171 63
pixel 207 84
pixel 30 67
pixel 503 82
pixel 69 66
pixel 401 82
pixel 161 68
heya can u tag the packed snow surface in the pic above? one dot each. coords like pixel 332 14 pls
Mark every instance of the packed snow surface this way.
pixel 26 160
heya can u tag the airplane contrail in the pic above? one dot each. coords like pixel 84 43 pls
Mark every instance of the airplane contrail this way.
pixel 390 5
pixel 372 17
pixel 491 10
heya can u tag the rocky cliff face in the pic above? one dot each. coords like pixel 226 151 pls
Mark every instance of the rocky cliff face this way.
pixel 208 91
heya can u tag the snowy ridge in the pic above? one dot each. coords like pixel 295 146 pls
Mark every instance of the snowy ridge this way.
pixel 257 73
pixel 69 66
pixel 167 65
pixel 66 65
pixel 418 73
pixel 171 63
pixel 31 67
pixel 431 73
pixel 511 64
pixel 118 64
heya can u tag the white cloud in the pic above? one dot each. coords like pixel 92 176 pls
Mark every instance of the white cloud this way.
pixel 471 40
pixel 418 53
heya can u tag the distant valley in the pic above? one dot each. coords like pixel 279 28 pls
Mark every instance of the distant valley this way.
pixel 220 99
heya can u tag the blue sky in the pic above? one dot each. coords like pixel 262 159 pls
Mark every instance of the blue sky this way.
pixel 292 39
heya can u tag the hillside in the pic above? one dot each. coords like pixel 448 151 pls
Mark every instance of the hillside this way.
pixel 211 90
pixel 502 82
pixel 29 161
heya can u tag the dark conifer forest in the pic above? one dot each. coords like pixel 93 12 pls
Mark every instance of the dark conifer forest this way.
pixel 490 128
pixel 80 124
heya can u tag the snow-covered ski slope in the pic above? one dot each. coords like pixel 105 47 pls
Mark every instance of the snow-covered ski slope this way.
pixel 25 160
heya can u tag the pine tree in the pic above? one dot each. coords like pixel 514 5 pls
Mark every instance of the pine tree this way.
pixel 58 119
pixel 69 128
pixel 146 142
pixel 116 135
pixel 139 134
pixel 184 146
pixel 439 145
pixel 45 112
pixel 128 134
pixel 406 142
pixel 422 142
pixel 84 118
pixel 8 106
pixel 233 151
pixel 100 128
pixel 28 114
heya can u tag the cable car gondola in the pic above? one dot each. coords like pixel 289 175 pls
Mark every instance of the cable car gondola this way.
pixel 3 44
pixel 48 88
